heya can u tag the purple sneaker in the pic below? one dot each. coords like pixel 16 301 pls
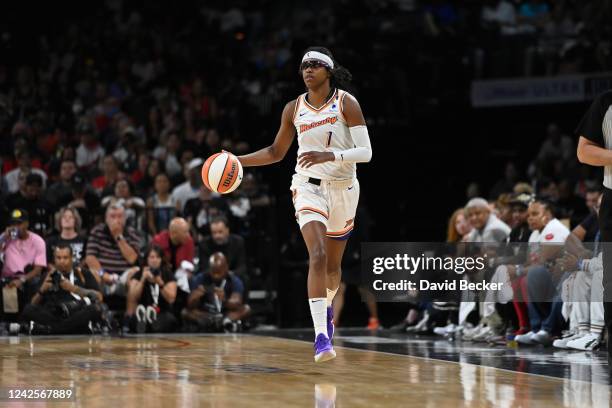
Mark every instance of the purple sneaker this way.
pixel 323 349
pixel 330 323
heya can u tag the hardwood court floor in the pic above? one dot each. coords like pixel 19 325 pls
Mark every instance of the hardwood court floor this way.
pixel 260 371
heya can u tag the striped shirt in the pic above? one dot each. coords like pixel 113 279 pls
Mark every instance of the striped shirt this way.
pixel 596 125
pixel 103 246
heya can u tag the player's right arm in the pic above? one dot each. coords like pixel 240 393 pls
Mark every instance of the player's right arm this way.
pixel 591 144
pixel 278 149
pixel 591 153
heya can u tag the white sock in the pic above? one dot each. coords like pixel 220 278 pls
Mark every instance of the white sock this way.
pixel 330 296
pixel 318 310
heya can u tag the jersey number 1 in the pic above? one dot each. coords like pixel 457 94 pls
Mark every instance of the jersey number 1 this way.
pixel 329 138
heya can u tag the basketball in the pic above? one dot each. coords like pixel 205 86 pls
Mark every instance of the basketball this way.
pixel 222 173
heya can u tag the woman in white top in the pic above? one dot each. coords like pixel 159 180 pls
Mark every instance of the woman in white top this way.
pixel 332 137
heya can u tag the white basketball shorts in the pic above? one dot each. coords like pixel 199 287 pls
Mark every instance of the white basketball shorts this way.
pixel 334 203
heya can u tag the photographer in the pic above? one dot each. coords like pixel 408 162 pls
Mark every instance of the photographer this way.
pixel 67 301
pixel 151 294
pixel 216 303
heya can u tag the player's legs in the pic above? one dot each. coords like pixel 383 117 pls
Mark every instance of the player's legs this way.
pixel 335 251
pixel 314 237
pixel 338 303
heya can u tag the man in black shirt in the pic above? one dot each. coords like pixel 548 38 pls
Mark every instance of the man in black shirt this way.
pixel 31 200
pixel 216 301
pixel 520 228
pixel 62 187
pixel 85 200
pixel 230 245
pixel 67 301
pixel 595 148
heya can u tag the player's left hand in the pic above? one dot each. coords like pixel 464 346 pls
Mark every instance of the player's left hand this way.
pixel 308 159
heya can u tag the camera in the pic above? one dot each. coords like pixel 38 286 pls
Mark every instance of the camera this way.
pixel 155 271
pixel 56 278
pixel 66 309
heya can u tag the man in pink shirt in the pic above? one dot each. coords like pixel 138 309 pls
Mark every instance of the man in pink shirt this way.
pixel 24 254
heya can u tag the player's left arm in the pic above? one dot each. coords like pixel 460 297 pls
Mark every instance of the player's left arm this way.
pixel 362 150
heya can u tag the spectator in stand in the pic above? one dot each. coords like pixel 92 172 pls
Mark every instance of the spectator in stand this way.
pixel 12 200
pixel 520 228
pixel 134 205
pixel 190 188
pixel 71 307
pixel 112 249
pixel 592 197
pixel 63 186
pixel 24 256
pixel 230 245
pixel 486 226
pixel 557 146
pixel 487 229
pixel 582 291
pixel 169 153
pixel 176 243
pixel 110 175
pixel 141 168
pixel 84 200
pixel 145 187
pixel 162 206
pixel 89 152
pixel 569 205
pixel 503 209
pixel 544 304
pixel 458 226
pixel 68 224
pixel 31 200
pixel 24 165
pixel 201 210
pixel 216 302
pixel 513 306
pixel 151 295
pixel 506 184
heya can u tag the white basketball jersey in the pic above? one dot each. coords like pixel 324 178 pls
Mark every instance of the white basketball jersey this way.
pixel 323 130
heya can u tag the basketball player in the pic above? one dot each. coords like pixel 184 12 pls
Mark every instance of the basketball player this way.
pixel 332 137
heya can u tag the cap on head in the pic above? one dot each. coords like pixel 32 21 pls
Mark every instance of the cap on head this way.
pixel 18 216
pixel 522 199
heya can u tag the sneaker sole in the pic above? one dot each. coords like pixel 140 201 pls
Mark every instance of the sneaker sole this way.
pixel 585 349
pixel 325 356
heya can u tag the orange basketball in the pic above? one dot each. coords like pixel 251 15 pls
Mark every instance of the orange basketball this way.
pixel 222 173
